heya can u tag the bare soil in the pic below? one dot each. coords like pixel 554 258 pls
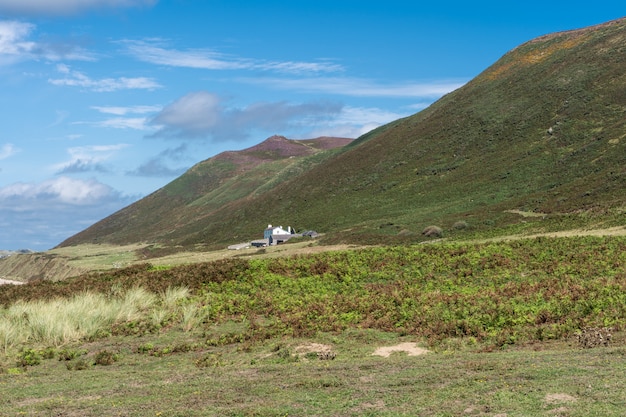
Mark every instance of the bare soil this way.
pixel 411 349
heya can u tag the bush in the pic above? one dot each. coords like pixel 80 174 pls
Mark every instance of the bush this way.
pixel 28 357
pixel 70 354
pixel 460 225
pixel 209 360
pixel 105 358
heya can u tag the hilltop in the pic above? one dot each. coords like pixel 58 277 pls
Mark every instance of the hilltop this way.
pixel 541 131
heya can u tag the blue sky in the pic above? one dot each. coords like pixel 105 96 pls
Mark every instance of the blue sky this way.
pixel 105 101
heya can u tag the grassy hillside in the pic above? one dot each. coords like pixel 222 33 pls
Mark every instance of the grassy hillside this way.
pixel 543 130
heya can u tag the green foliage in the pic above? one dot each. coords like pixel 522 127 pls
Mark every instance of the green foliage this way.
pixel 494 294
pixel 28 357
pixel 105 358
pixel 71 354
pixel 209 360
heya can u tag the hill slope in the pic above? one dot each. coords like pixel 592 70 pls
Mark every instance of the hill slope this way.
pixel 541 130
pixel 208 186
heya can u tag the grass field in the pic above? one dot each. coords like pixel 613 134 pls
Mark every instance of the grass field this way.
pixel 544 380
pixel 262 334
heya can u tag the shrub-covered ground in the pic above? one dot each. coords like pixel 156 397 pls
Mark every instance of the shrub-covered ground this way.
pixel 238 315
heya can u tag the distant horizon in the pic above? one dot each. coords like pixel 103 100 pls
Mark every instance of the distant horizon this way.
pixel 106 102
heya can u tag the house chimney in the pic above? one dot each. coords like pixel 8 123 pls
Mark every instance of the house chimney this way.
pixel 269 226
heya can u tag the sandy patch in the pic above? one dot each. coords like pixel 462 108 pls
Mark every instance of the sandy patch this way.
pixel 526 213
pixel 559 399
pixel 313 347
pixel 323 352
pixel 8 281
pixel 411 349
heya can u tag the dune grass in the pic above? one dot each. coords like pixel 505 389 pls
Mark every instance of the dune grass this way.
pixel 86 315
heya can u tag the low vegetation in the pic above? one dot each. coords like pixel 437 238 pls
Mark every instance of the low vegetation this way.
pixel 242 319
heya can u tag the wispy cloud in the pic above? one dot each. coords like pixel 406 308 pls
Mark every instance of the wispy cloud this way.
pixel 78 79
pixel 13 43
pixel 121 122
pixel 353 122
pixel 65 7
pixel 357 87
pixel 16 45
pixel 122 111
pixel 203 115
pixel 153 51
pixel 88 158
pixel 135 123
pixel 7 150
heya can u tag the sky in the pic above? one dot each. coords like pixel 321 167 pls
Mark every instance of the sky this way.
pixel 103 102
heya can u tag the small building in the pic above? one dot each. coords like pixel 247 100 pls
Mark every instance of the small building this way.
pixel 276 235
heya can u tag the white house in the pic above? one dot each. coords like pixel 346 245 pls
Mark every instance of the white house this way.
pixel 276 235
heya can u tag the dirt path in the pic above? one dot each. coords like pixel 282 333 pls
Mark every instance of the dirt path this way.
pixel 8 281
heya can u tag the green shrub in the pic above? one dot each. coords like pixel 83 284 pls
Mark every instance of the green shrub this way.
pixel 209 360
pixel 105 358
pixel 460 225
pixel 145 348
pixel 28 357
pixel 48 353
pixel 70 354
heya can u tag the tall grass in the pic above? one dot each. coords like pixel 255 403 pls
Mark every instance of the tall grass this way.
pixel 135 304
pixel 61 321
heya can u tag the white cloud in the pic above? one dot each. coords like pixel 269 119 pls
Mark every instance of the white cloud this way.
pixel 40 215
pixel 122 111
pixel 62 190
pixel 78 79
pixel 13 45
pixel 194 114
pixel 353 122
pixel 363 115
pixel 136 123
pixel 7 150
pixel 153 52
pixel 65 7
pixel 202 115
pixel 358 87
pixel 88 158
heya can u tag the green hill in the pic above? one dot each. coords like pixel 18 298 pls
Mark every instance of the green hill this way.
pixel 209 186
pixel 543 130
